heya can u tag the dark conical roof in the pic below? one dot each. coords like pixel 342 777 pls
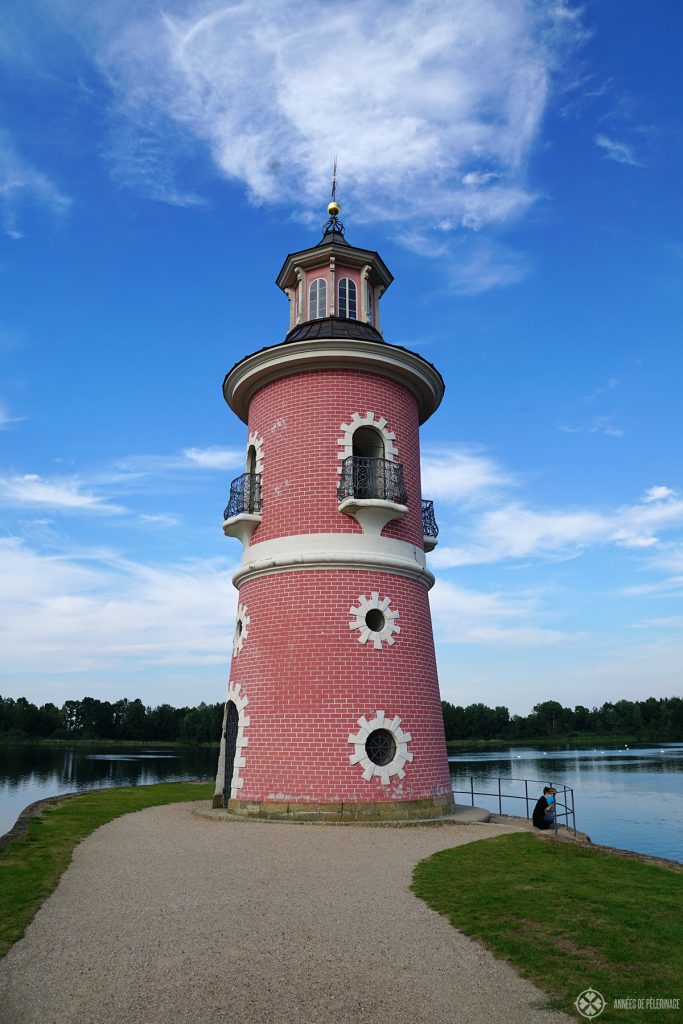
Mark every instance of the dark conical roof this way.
pixel 334 327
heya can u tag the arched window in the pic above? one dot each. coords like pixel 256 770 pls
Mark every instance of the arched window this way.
pixel 347 298
pixel 251 459
pixel 368 304
pixel 317 299
pixel 368 443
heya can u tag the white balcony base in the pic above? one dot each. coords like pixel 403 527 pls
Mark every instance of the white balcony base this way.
pixel 430 543
pixel 242 526
pixel 373 514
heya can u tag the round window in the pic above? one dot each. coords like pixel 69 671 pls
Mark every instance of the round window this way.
pixel 375 620
pixel 380 747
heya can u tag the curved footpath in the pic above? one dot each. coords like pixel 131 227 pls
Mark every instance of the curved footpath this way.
pixel 166 917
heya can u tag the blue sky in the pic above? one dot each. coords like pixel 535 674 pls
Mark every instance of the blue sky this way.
pixel 517 165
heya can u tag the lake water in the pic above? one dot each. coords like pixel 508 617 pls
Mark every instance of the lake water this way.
pixel 34 773
pixel 627 798
pixel 632 799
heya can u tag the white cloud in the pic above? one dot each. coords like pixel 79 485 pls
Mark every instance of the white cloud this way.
pixel 6 418
pixel 658 493
pixel 22 185
pixel 214 457
pixel 598 425
pixel 516 531
pixel 32 490
pixel 465 616
pixel 460 473
pixel 461 87
pixel 612 383
pixel 620 152
pixel 76 614
pixel 159 519
pixel 484 264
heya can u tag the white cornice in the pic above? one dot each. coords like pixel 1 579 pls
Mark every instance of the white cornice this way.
pixel 333 550
pixel 269 364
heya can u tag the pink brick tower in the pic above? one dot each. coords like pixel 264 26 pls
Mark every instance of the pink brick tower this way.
pixel 333 707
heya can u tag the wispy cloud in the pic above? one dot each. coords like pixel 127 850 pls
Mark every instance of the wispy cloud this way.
pixel 609 385
pixel 76 613
pixel 459 473
pixel 31 490
pixel 515 531
pixel 658 493
pixel 22 185
pixel 465 616
pixel 485 264
pixel 462 89
pixel 597 425
pixel 214 457
pixel 620 152
pixel 6 418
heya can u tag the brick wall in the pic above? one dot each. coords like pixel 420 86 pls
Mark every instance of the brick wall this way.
pixel 298 418
pixel 308 680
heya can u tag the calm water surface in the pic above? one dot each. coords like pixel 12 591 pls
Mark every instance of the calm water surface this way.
pixel 632 799
pixel 33 773
pixel 627 798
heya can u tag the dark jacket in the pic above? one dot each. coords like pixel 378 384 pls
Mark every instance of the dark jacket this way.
pixel 540 811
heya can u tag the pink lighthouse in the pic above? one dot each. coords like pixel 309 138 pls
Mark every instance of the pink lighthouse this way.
pixel 333 709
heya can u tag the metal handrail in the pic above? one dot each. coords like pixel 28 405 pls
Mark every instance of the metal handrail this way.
pixel 564 807
pixel 364 477
pixel 245 495
pixel 429 524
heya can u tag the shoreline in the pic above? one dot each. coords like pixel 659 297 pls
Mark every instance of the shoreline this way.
pixel 35 810
pixel 453 747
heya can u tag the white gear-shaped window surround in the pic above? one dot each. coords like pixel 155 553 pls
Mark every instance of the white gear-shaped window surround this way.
pixel 241 629
pixel 375 620
pixel 401 739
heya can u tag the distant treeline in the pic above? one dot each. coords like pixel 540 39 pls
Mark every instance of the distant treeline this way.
pixel 92 719
pixel 641 719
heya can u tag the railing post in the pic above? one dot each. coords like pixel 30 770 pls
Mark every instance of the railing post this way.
pixel 500 798
pixel 472 788
pixel 526 794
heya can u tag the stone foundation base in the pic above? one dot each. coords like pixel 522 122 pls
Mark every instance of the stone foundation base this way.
pixel 381 810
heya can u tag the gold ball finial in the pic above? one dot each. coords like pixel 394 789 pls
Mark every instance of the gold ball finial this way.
pixel 333 208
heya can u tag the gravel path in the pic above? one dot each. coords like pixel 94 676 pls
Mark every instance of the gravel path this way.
pixel 164 917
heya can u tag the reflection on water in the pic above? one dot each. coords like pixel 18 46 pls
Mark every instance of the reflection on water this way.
pixel 631 798
pixel 33 773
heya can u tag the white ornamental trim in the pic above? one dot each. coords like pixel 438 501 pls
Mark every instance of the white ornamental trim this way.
pixel 257 443
pixel 345 442
pixel 401 739
pixel 241 629
pixel 359 612
pixel 240 700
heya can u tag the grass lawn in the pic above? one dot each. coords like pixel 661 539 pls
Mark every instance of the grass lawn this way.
pixel 567 917
pixel 31 865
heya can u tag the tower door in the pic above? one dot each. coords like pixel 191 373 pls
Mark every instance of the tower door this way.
pixel 231 725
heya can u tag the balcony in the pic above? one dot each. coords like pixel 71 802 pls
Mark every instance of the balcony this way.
pixel 430 529
pixel 243 512
pixel 372 491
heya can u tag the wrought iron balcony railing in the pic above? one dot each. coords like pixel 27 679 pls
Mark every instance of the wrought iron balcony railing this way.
pixel 364 478
pixel 245 495
pixel 429 524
